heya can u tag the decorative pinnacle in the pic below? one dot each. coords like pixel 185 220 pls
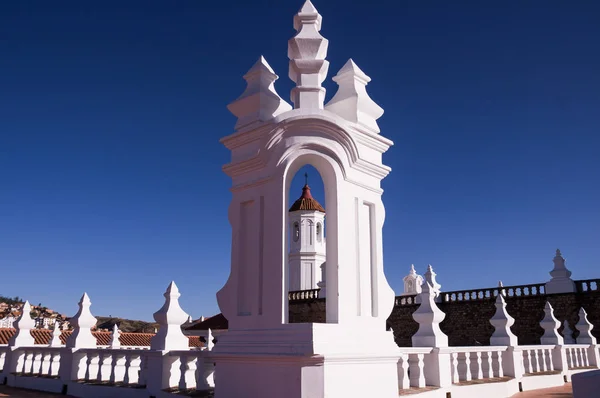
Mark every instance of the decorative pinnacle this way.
pixel 260 101
pixel 351 101
pixel 55 342
pixel 550 325
pixel 307 52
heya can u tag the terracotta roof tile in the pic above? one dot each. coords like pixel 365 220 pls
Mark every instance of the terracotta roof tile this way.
pixel 44 336
pixel 306 202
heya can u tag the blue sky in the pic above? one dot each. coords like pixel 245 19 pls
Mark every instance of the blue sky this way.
pixel 111 113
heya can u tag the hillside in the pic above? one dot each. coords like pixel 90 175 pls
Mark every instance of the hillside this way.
pixel 126 325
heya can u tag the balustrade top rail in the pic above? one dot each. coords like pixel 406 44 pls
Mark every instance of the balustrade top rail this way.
pixel 535 289
pixel 300 295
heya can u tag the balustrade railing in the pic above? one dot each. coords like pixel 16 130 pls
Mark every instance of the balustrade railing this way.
pixel 191 370
pixel 587 285
pixel 411 367
pixel 538 358
pixel 300 295
pixel 491 293
pixel 38 361
pixel 476 363
pixel 405 300
pixel 577 356
pixel 121 367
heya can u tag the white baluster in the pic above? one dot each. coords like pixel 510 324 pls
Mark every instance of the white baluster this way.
pixel 37 363
pixel 46 359
pixel 455 376
pixel 479 368
pixel 403 372
pixel 93 365
pixel 536 360
pixel 133 370
pixel 106 366
pixel 489 371
pixel 543 357
pixel 421 363
pixel 576 357
pixel 27 368
pixel 500 369
pixel 468 366
pixel 55 364
pixel 118 371
pixel 189 368
pixel 527 358
pixel 550 360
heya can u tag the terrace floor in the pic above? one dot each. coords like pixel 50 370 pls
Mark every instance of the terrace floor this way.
pixel 12 392
pixel 565 391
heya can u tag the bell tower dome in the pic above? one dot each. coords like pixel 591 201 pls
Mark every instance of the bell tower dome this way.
pixel 307 241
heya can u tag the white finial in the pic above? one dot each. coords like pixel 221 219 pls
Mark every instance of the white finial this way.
pixel 561 281
pixel 307 51
pixel 550 325
pixel 260 101
pixel 585 329
pixel 430 278
pixel 82 322
pixel 209 340
pixel 114 337
pixel 55 342
pixel 429 316
pixel 24 324
pixel 567 333
pixel 502 321
pixel 170 318
pixel 351 100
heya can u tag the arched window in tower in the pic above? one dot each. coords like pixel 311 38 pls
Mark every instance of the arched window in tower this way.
pixel 319 232
pixel 296 232
pixel 310 232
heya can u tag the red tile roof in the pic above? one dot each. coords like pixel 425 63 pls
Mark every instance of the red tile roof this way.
pixel 44 336
pixel 306 202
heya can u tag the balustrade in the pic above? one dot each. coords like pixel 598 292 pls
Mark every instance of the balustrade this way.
pixel 537 358
pixel 577 355
pixel 491 293
pixel 36 361
pixel 476 363
pixel 405 300
pixel 300 295
pixel 411 367
pixel 121 367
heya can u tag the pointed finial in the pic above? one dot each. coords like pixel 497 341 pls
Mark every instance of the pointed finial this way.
pixel 412 269
pixel 307 51
pixel 114 337
pixel 585 329
pixel 259 102
pixel 24 324
pixel 306 179
pixel 567 333
pixel 55 342
pixel 82 322
pixel 351 101
pixel 502 321
pixel 170 318
pixel 501 290
pixel 429 317
pixel 561 281
pixel 550 325
pixel 430 276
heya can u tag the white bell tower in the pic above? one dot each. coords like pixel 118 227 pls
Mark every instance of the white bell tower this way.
pixel 307 241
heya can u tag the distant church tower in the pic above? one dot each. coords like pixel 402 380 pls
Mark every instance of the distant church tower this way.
pixel 307 241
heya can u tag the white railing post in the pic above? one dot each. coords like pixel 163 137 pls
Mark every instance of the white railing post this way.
pixel 585 337
pixel 438 363
pixel 551 336
pixel 15 361
pixel 512 361
pixel 73 361
pixel 164 370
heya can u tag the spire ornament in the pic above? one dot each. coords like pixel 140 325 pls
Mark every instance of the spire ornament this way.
pixel 82 322
pixel 351 100
pixel 502 321
pixel 55 342
pixel 550 325
pixel 24 324
pixel 170 318
pixel 561 281
pixel 260 101
pixel 307 51
pixel 584 326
